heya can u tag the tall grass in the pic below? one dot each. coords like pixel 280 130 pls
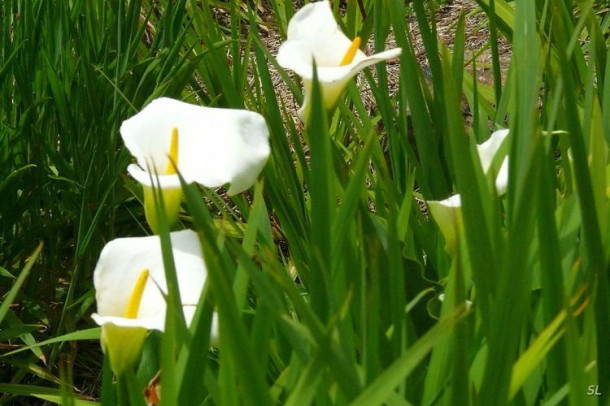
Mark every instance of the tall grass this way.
pixel 325 275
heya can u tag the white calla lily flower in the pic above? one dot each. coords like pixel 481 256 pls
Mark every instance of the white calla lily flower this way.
pixel 209 146
pixel 130 283
pixel 313 34
pixel 487 152
pixel 447 213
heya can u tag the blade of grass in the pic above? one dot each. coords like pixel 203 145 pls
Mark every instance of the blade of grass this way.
pixel 12 293
pixel 380 389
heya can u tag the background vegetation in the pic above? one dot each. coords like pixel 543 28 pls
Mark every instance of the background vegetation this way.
pixel 340 204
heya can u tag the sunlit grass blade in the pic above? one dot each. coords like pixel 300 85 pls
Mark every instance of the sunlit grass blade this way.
pixel 495 58
pixel 505 14
pixel 12 293
pixel 48 394
pixel 384 384
pixel 535 353
pixel 88 334
pixel 307 385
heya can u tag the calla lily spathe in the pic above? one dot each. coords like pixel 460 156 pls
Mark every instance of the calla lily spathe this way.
pixel 447 215
pixel 118 279
pixel 447 212
pixel 209 146
pixel 313 34
pixel 487 153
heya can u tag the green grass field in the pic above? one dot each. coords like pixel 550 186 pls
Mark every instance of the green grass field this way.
pixel 325 274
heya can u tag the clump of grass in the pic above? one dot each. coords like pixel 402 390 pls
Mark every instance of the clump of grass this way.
pixel 338 204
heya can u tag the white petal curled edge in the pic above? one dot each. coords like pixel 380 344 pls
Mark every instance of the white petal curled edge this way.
pixel 216 146
pixel 150 178
pixel 293 55
pixel 148 323
pixel 488 149
pixel 333 80
pixel 487 152
pixel 316 24
pixel 447 214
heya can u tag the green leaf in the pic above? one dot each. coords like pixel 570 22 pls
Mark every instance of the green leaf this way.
pixel 12 293
pixel 49 394
pixel 383 386
pixel 88 334
pixel 535 353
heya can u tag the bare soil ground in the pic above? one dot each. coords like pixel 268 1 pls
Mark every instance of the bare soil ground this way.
pixel 476 36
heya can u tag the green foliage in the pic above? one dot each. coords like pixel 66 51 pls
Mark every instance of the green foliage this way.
pixel 325 276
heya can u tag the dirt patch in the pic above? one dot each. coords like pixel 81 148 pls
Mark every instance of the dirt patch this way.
pixel 476 37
